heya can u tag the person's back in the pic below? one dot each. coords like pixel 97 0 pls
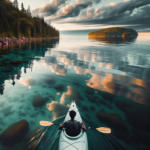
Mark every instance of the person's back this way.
pixel 72 128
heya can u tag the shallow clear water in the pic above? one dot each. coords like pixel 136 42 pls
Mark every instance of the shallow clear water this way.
pixel 112 76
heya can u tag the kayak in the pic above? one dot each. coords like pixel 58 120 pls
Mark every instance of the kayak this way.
pixel 78 142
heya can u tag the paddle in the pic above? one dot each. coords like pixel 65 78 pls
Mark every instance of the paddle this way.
pixel 47 123
pixel 100 129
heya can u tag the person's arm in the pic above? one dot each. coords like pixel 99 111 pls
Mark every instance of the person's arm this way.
pixel 60 128
pixel 83 126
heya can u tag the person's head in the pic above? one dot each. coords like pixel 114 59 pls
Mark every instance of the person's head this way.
pixel 72 114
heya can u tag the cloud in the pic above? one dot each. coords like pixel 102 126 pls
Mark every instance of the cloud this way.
pixel 125 13
pixel 133 13
pixel 63 9
pixel 55 107
pixel 50 8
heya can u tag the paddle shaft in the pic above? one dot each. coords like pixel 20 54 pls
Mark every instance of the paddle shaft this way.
pixel 56 124
pixel 91 128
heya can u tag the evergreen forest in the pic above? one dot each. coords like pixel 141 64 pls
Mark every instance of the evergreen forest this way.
pixel 19 23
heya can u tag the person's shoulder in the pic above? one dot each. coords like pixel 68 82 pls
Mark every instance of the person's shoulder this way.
pixel 78 122
pixel 67 121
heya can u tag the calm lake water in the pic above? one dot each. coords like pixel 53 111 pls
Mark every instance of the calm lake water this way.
pixel 108 79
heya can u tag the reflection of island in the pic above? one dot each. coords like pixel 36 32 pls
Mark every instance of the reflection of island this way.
pixel 113 40
pixel 114 35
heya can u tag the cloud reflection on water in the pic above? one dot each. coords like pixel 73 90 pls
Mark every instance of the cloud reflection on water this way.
pixel 110 71
pixel 55 107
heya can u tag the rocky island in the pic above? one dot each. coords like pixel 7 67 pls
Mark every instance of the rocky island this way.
pixel 114 33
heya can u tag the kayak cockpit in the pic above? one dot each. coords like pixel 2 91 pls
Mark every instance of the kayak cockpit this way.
pixel 72 137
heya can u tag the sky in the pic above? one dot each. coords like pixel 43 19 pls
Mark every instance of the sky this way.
pixel 91 15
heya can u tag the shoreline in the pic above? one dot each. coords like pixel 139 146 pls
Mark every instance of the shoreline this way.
pixel 8 41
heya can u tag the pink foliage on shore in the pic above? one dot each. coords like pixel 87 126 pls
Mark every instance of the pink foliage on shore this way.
pixel 8 41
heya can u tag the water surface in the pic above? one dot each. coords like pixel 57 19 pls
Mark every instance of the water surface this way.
pixel 108 79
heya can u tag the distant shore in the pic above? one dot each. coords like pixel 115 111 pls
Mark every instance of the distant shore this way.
pixel 8 41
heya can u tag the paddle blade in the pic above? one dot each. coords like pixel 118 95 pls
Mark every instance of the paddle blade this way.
pixel 46 123
pixel 104 130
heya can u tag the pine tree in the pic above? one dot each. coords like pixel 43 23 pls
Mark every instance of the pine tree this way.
pixel 15 3
pixel 1 9
pixel 6 24
pixel 22 8
pixel 29 11
pixel 17 29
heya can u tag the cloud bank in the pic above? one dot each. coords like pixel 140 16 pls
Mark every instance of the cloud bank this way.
pixel 129 12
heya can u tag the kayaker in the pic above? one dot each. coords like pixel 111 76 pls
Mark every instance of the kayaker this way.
pixel 73 127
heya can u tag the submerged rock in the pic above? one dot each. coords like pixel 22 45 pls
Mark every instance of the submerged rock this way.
pixel 88 116
pixel 5 59
pixel 39 100
pixel 121 135
pixel 92 100
pixel 108 96
pixel 76 82
pixel 6 111
pixel 139 119
pixel 89 91
pixel 14 133
pixel 85 108
pixel 95 96
pixel 44 86
pixel 22 114
pixel 4 64
pixel 58 86
pixel 92 108
pixel 49 80
pixel 122 105
pixel 102 102
pixel 22 101
pixel 112 120
pixel 142 137
pixel 81 98
pixel 2 103
pixel 109 106
pixel 20 107
pixel 47 93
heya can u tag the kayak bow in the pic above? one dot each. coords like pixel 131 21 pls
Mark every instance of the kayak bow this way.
pixel 78 142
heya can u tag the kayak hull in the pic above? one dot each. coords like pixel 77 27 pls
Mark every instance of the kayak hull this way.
pixel 78 142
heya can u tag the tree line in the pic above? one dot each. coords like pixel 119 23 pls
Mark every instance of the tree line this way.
pixel 19 23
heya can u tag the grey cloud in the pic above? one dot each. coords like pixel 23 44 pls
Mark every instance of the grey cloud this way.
pixel 73 10
pixel 69 10
pixel 134 12
pixel 76 9
pixel 35 12
pixel 51 7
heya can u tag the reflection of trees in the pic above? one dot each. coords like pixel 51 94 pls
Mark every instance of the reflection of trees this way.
pixel 27 52
pixel 111 40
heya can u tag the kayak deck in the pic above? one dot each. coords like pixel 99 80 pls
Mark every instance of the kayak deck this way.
pixel 78 142
pixel 73 107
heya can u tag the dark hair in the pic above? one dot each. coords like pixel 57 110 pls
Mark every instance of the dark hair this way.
pixel 72 114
